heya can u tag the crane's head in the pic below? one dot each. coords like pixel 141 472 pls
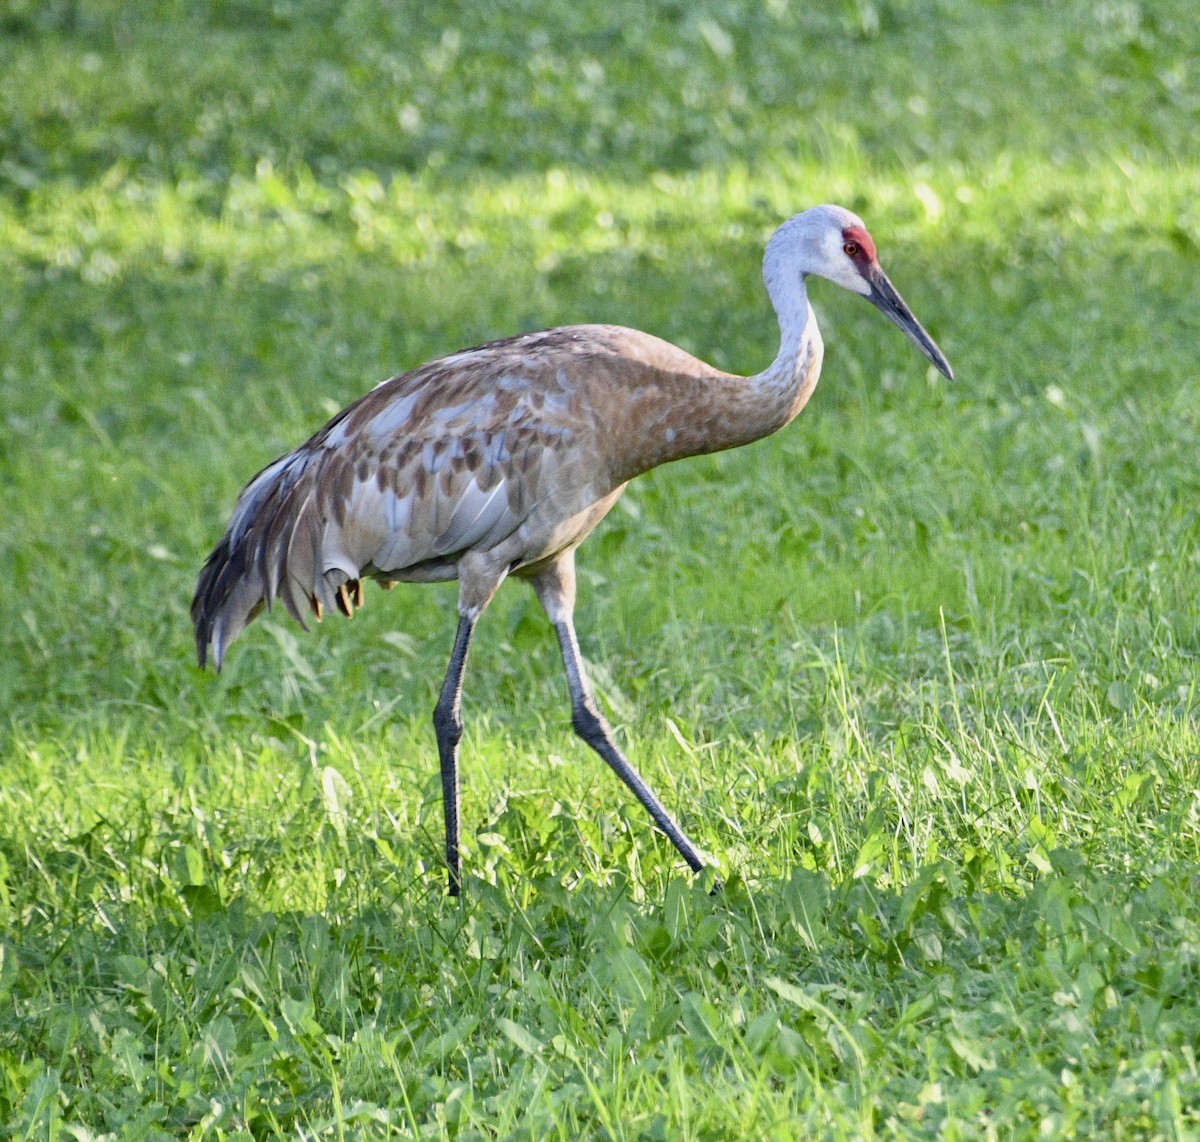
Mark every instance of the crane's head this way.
pixel 833 243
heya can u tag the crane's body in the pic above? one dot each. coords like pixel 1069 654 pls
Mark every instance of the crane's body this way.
pixel 501 460
pixel 510 454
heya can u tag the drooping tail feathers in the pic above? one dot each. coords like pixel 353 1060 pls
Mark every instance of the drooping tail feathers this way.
pixel 272 549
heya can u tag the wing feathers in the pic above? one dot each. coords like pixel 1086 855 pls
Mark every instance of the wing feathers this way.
pixel 475 514
pixel 451 457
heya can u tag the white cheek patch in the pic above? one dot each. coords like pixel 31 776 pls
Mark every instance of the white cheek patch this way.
pixel 854 281
pixel 839 268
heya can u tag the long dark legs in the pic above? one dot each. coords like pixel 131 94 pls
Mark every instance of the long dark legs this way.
pixel 555 586
pixel 590 725
pixel 556 589
pixel 447 723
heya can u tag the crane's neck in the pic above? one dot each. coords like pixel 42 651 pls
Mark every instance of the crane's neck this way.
pixel 756 406
pixel 696 411
pixel 775 396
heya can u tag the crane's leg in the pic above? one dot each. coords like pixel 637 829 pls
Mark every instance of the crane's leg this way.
pixel 447 724
pixel 478 581
pixel 555 587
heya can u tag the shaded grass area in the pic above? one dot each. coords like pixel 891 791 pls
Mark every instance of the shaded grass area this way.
pixel 630 87
pixel 919 673
pixel 548 1013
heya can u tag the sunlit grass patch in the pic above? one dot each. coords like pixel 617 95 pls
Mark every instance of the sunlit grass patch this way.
pixel 287 220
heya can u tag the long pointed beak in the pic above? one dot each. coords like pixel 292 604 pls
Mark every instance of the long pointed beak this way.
pixel 884 297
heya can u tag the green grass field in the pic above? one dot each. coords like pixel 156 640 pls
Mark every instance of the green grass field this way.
pixel 920 674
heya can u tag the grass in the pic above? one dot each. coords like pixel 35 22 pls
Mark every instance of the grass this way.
pixel 920 673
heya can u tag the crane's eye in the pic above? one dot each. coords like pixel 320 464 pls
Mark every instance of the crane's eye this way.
pixel 850 249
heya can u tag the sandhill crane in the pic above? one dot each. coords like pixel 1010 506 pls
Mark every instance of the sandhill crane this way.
pixel 501 459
